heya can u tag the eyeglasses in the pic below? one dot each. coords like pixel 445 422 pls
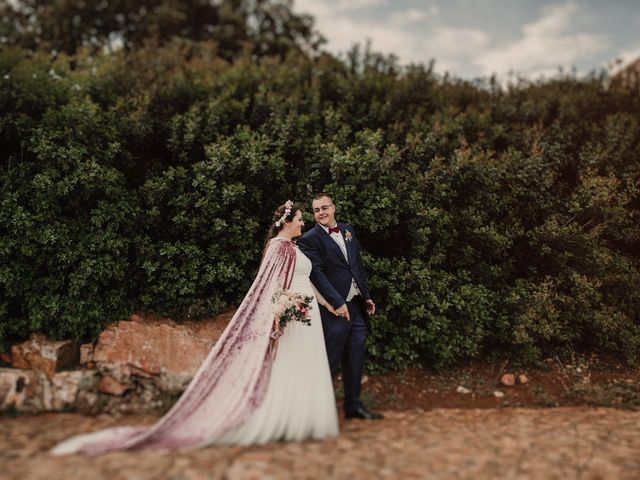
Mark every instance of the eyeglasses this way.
pixel 323 208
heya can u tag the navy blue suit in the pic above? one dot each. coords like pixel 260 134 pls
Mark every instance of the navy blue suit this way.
pixel 332 275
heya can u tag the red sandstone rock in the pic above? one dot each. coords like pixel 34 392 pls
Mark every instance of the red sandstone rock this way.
pixel 110 385
pixel 67 388
pixel 163 349
pixel 508 380
pixel 24 390
pixel 463 390
pixel 5 357
pixel 86 354
pixel 44 355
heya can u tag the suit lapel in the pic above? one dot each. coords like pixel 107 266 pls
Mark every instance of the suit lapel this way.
pixel 347 243
pixel 331 242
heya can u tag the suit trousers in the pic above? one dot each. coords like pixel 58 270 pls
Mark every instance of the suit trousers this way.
pixel 345 342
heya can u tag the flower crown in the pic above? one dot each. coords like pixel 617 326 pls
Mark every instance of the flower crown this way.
pixel 287 210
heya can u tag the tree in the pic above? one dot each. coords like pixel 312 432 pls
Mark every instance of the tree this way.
pixel 262 27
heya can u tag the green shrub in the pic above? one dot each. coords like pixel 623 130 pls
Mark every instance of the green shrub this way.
pixel 500 222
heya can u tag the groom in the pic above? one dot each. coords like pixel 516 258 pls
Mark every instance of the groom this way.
pixel 338 275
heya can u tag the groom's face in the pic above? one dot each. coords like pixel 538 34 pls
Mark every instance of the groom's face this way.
pixel 324 211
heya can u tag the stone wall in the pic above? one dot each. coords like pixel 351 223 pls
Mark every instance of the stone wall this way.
pixel 136 365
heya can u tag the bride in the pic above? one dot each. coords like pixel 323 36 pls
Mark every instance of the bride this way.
pixel 246 391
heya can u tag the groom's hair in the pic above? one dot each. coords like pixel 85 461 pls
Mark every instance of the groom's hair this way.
pixel 320 195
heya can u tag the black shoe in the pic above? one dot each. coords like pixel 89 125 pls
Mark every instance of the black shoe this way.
pixel 364 414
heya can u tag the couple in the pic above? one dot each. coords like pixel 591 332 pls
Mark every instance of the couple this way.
pixel 247 392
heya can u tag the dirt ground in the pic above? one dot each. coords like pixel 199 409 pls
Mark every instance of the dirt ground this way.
pixel 568 421
pixel 585 381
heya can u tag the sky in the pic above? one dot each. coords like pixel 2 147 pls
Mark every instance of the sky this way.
pixel 477 38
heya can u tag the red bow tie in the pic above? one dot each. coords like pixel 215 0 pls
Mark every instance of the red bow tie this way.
pixel 334 230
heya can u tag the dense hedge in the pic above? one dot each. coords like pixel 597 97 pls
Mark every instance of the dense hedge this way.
pixel 500 221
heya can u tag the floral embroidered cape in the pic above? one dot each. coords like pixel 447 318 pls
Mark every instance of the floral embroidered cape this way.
pixel 229 385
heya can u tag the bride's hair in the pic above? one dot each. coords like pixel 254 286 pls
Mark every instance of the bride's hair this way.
pixel 278 220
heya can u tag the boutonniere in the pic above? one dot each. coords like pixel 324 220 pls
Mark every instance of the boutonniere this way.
pixel 347 236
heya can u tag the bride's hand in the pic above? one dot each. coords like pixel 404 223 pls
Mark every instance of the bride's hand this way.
pixel 343 312
pixel 331 309
pixel 335 312
pixel 275 330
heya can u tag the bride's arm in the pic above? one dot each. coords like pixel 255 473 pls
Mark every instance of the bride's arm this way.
pixel 322 301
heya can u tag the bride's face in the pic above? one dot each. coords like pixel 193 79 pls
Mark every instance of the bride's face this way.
pixel 295 225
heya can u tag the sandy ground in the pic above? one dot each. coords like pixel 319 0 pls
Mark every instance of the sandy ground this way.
pixel 512 443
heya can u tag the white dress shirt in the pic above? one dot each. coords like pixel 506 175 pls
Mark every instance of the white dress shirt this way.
pixel 339 239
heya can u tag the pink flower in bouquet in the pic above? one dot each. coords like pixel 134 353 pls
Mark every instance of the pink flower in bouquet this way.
pixel 291 306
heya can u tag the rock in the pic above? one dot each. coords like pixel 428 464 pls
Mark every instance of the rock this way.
pixel 86 354
pixel 44 355
pixel 108 384
pixel 86 400
pixel 136 363
pixel 66 388
pixel 161 349
pixel 462 390
pixel 498 394
pixel 522 379
pixel 140 399
pixel 24 390
pixel 508 380
pixel 5 357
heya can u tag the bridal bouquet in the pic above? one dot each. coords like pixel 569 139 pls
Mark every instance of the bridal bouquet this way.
pixel 290 306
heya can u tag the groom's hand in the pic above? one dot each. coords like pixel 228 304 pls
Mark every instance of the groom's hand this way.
pixel 331 309
pixel 343 311
pixel 371 307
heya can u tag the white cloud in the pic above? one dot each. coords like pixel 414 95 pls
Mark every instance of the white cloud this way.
pixel 413 15
pixel 456 42
pixel 451 47
pixel 317 8
pixel 357 4
pixel 417 32
pixel 623 59
pixel 544 46
pixel 321 8
pixel 629 55
pixel 344 32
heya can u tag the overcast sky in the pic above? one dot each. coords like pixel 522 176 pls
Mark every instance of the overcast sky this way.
pixel 476 38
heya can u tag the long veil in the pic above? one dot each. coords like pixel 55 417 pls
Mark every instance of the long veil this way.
pixel 229 385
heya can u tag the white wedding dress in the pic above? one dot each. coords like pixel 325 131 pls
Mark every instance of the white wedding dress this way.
pixel 300 402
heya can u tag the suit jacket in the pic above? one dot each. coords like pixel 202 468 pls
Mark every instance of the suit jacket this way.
pixel 332 273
